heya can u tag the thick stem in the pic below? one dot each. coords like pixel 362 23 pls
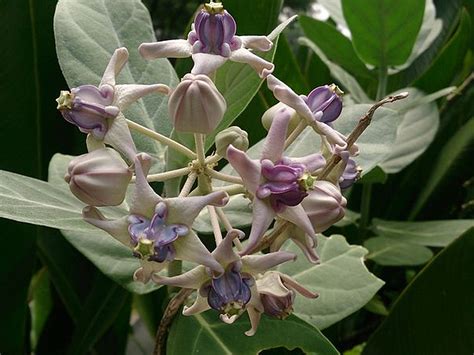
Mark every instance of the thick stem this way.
pixel 232 189
pixel 228 226
pixel 201 154
pixel 188 185
pixel 216 229
pixel 167 175
pixel 162 139
pixel 224 177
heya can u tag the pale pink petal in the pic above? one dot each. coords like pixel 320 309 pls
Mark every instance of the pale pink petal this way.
pixel 199 306
pixel 271 284
pixel 116 64
pixel 307 246
pixel 228 320
pixel 275 141
pixel 176 48
pixel 262 217
pixel 260 65
pixel 260 43
pixel 143 199
pixel 256 264
pixel 205 63
pixel 312 162
pixel 148 268
pixel 118 136
pixel 184 210
pixel 291 283
pixel 224 253
pixel 190 248
pixel 117 228
pixel 193 278
pixel 297 215
pixel 248 169
pixel 129 93
pixel 333 136
pixel 286 95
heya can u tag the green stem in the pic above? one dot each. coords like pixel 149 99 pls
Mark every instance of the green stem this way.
pixel 365 209
pixel 382 84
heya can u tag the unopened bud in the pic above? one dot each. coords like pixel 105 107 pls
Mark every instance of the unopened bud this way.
pixel 270 114
pixel 232 135
pixel 99 178
pixel 196 105
pixel 326 99
pixel 324 205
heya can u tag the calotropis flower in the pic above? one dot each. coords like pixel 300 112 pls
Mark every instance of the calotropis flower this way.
pixel 318 109
pixel 212 41
pixel 159 230
pixel 97 110
pixel 233 292
pixel 278 183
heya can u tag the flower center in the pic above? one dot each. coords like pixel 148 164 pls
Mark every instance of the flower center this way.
pixel 153 239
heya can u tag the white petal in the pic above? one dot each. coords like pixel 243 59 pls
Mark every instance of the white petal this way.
pixel 143 199
pixel 117 228
pixel 200 305
pixel 193 278
pixel 118 136
pixel 205 63
pixel 262 217
pixel 176 48
pixel 224 253
pixel 260 43
pixel 261 66
pixel 116 63
pixel 298 216
pixel 256 264
pixel 127 94
pixel 275 141
pixel 248 169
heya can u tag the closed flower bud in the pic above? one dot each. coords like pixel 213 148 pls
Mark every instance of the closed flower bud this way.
pixel 196 105
pixel 324 205
pixel 327 100
pixel 232 135
pixel 99 178
pixel 269 115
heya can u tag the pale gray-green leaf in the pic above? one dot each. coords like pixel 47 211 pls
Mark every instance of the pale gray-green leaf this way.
pixel 391 252
pixel 342 280
pixel 427 233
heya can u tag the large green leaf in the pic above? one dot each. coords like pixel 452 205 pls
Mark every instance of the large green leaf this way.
pixel 434 314
pixel 343 282
pixel 40 304
pixel 392 252
pixel 382 33
pixel 454 149
pixel 430 233
pixel 211 336
pixel 87 33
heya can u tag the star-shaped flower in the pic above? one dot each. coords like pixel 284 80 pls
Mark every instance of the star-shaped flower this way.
pixel 278 183
pixel 212 41
pixel 159 230
pixel 97 110
pixel 232 292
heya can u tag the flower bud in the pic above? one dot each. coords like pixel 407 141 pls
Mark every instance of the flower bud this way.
pixel 88 107
pixel 350 175
pixel 324 205
pixel 232 135
pixel 99 178
pixel 326 99
pixel 269 115
pixel 196 105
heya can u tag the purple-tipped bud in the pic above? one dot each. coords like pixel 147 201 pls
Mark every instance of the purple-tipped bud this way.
pixel 196 105
pixel 99 178
pixel 350 175
pixel 232 135
pixel 153 239
pixel 230 292
pixel 286 184
pixel 214 31
pixel 324 205
pixel 88 108
pixel 326 99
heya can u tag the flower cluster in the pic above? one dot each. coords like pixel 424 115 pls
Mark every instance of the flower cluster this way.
pixel 292 198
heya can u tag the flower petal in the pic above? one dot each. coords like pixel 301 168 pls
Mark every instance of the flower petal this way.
pixel 145 273
pixel 255 264
pixel 261 66
pixel 127 94
pixel 262 217
pixel 312 162
pixel 193 278
pixel 176 48
pixel 199 305
pixel 119 137
pixel 291 283
pixel 143 199
pixel 275 141
pixel 260 43
pixel 190 248
pixel 254 317
pixel 205 63
pixel 298 216
pixel 116 63
pixel 117 228
pixel 248 169
pixel 224 253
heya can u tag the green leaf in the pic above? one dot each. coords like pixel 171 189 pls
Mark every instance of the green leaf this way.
pixel 376 175
pixel 392 252
pixel 430 233
pixel 211 336
pixel 342 280
pixel 335 45
pixel 434 314
pixel 450 59
pixel 40 304
pixel 100 310
pixel 454 149
pixel 87 33
pixel 416 130
pixel 382 32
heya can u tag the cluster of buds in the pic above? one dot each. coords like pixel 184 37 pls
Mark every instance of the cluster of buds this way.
pixel 288 192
